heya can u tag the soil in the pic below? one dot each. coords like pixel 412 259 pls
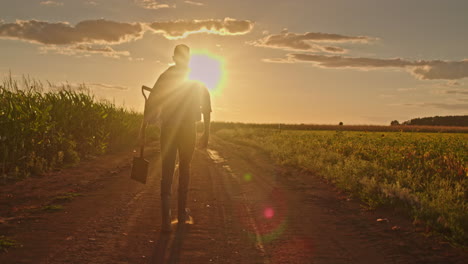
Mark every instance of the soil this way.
pixel 243 209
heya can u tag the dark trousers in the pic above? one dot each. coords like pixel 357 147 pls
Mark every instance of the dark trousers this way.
pixel 181 139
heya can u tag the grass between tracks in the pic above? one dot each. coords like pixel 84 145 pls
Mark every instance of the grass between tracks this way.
pixel 6 243
pixel 425 173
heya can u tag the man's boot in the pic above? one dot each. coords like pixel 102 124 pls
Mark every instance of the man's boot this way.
pixel 166 213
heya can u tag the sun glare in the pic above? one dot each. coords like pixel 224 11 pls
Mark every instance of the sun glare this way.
pixel 208 69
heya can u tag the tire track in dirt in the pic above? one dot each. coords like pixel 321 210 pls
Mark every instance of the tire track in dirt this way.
pixel 231 180
pixel 92 227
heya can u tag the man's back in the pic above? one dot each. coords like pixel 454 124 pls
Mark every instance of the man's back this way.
pixel 184 104
pixel 166 84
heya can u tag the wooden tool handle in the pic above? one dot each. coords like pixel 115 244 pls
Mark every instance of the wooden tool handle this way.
pixel 143 136
pixel 144 124
pixel 143 89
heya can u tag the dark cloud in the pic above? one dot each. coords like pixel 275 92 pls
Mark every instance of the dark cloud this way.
pixel 307 41
pixel 424 70
pixel 182 28
pixel 88 31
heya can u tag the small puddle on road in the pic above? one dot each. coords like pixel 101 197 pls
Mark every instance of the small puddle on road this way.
pixel 214 155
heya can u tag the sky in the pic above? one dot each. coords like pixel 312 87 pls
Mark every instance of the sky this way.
pixel 295 61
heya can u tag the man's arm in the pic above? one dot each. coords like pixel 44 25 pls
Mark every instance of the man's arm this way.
pixel 206 111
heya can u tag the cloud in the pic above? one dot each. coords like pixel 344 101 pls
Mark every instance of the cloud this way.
pixel 453 83
pixel 307 41
pixel 86 86
pixel 51 3
pixel 182 28
pixel 106 32
pixel 92 3
pixel 421 69
pixel 194 3
pixel 84 51
pixel 333 49
pixel 445 106
pixel 151 4
pixel 106 86
pixel 458 92
pixel 81 39
pixel 88 31
pixel 438 69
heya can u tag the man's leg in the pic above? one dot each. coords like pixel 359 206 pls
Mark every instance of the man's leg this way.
pixel 168 155
pixel 187 139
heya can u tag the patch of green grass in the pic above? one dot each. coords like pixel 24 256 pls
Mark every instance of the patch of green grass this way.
pixel 52 208
pixel 66 197
pixel 423 173
pixel 6 243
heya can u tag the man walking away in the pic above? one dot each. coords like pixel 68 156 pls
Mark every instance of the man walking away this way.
pixel 179 104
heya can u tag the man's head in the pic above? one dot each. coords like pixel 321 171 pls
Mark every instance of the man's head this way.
pixel 181 55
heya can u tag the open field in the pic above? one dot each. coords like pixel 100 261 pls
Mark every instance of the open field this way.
pixel 363 128
pixel 425 173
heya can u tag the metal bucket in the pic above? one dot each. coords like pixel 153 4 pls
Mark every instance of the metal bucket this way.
pixel 140 169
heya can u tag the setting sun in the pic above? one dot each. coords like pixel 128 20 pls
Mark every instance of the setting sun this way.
pixel 208 69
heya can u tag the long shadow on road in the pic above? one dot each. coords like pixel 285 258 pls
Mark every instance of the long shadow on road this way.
pixel 169 246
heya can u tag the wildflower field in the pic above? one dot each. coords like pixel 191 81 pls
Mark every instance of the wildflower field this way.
pixel 425 173
pixel 42 130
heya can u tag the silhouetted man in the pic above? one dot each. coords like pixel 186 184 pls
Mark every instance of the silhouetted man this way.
pixel 178 103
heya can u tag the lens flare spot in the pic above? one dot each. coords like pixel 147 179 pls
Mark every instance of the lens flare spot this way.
pixel 247 177
pixel 268 213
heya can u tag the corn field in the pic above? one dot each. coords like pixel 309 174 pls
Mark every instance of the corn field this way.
pixel 41 130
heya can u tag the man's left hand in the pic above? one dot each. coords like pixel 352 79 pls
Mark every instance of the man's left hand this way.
pixel 203 142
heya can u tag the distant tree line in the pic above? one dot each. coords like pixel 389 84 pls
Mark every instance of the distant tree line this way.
pixel 461 121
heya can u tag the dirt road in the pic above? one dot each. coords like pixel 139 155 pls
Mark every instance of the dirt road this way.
pixel 244 209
